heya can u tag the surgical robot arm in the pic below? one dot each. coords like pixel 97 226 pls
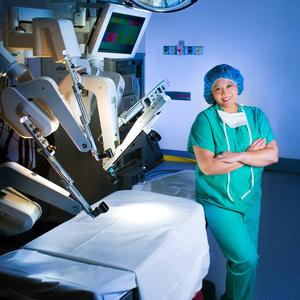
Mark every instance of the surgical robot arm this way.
pixel 29 108
pixel 57 38
pixel 18 213
pixel 150 108
pixel 107 87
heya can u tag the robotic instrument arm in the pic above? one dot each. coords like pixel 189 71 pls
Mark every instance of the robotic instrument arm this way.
pixel 17 212
pixel 31 109
pixel 108 87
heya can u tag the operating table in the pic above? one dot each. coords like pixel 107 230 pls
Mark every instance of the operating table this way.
pixel 147 240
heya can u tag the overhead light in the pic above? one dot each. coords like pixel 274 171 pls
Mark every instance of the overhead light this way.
pixel 163 6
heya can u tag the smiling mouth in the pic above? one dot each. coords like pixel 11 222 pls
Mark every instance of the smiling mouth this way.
pixel 226 99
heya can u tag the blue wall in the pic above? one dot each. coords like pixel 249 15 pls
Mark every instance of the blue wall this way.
pixel 260 37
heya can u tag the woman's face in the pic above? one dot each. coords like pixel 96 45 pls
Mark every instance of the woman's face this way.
pixel 225 92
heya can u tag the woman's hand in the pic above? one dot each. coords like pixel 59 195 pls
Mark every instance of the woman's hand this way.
pixel 209 164
pixel 232 157
pixel 258 144
pixel 227 157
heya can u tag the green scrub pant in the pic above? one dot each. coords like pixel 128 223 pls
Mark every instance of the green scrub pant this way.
pixel 237 235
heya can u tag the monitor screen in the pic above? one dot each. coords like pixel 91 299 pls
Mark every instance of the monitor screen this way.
pixel 117 32
pixel 121 33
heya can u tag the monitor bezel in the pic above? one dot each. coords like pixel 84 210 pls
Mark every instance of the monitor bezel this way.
pixel 107 9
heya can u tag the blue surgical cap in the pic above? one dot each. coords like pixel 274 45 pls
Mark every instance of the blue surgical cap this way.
pixel 221 71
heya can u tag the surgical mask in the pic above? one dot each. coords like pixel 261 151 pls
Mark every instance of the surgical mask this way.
pixel 233 120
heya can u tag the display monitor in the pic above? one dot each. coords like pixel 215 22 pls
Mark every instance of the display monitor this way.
pixel 118 31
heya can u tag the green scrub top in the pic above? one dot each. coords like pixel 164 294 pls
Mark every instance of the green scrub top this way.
pixel 208 132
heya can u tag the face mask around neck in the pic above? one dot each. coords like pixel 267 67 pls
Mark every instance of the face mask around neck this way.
pixel 233 120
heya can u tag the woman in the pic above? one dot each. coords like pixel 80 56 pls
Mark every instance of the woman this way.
pixel 232 143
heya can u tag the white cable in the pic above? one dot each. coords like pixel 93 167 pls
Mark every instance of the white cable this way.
pixel 228 174
pixel 251 168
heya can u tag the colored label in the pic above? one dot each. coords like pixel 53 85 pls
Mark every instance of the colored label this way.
pixel 184 96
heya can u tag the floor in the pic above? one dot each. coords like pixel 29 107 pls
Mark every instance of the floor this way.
pixel 278 274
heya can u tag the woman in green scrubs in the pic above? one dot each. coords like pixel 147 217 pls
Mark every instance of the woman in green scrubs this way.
pixel 232 143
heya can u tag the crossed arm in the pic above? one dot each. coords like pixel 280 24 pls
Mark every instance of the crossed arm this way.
pixel 259 154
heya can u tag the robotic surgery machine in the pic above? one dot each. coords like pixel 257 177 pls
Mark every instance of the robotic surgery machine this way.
pixel 34 108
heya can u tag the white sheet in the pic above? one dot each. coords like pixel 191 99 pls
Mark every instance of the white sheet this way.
pixel 45 277
pixel 161 239
pixel 180 184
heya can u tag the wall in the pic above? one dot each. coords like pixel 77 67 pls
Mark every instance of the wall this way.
pixel 259 37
